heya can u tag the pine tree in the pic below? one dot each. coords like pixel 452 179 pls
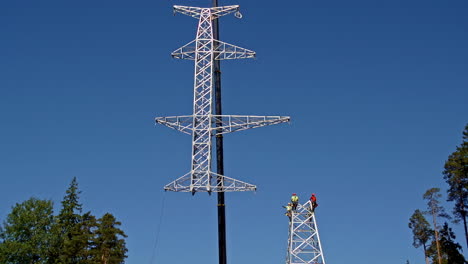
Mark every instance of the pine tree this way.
pixel 69 223
pixel 435 210
pixel 25 236
pixel 68 215
pixel 109 245
pixel 422 232
pixel 450 249
pixel 456 176
pixel 84 239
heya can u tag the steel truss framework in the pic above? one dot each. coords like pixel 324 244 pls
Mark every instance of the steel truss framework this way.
pixel 203 125
pixel 304 245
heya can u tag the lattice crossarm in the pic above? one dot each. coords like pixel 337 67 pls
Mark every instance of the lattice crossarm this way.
pixel 195 12
pixel 226 51
pixel 188 10
pixel 181 184
pixel 207 181
pixel 186 52
pixel 227 184
pixel 224 10
pixel 183 124
pixel 232 123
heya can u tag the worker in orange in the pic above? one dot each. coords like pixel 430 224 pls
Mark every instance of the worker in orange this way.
pixel 294 201
pixel 313 202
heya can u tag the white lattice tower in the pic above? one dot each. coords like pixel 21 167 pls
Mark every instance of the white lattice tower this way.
pixel 203 125
pixel 203 97
pixel 304 245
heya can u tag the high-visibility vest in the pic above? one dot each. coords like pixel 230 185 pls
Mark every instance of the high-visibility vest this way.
pixel 294 198
pixel 288 208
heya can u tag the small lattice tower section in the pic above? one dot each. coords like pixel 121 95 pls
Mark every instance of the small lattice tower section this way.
pixel 304 245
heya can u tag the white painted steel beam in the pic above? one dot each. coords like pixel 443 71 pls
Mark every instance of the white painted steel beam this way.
pixel 229 123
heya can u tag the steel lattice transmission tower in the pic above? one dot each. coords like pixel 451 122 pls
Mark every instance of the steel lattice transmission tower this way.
pixel 304 245
pixel 203 125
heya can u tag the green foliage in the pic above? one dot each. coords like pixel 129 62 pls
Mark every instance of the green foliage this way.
pixel 109 243
pixel 88 227
pixel 456 176
pixel 25 236
pixel 422 232
pixel 443 249
pixel 435 210
pixel 433 204
pixel 69 223
pixel 71 208
pixel 465 134
pixel 31 234
pixel 450 250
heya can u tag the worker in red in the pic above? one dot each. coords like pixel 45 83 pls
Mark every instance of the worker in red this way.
pixel 313 202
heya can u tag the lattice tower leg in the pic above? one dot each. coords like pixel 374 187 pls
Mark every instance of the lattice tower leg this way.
pixel 304 246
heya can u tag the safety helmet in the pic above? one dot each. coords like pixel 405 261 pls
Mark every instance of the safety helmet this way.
pixel 294 194
pixel 313 194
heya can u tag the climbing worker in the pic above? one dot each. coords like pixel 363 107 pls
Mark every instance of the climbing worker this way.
pixel 313 202
pixel 288 211
pixel 294 201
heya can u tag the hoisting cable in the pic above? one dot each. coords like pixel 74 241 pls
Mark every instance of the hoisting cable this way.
pixel 158 229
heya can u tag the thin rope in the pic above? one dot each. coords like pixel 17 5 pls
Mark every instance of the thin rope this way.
pixel 156 240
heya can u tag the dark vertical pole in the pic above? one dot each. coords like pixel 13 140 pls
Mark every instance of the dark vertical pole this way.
pixel 219 151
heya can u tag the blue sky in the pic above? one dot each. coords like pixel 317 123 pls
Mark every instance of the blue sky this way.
pixel 377 92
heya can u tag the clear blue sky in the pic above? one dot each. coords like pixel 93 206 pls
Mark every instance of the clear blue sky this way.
pixel 377 92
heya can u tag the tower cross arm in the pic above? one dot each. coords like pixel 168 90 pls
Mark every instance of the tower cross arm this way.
pixel 188 10
pixel 186 52
pixel 226 51
pixel 208 182
pixel 222 51
pixel 216 12
pixel 232 123
pixel 224 10
pixel 183 124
